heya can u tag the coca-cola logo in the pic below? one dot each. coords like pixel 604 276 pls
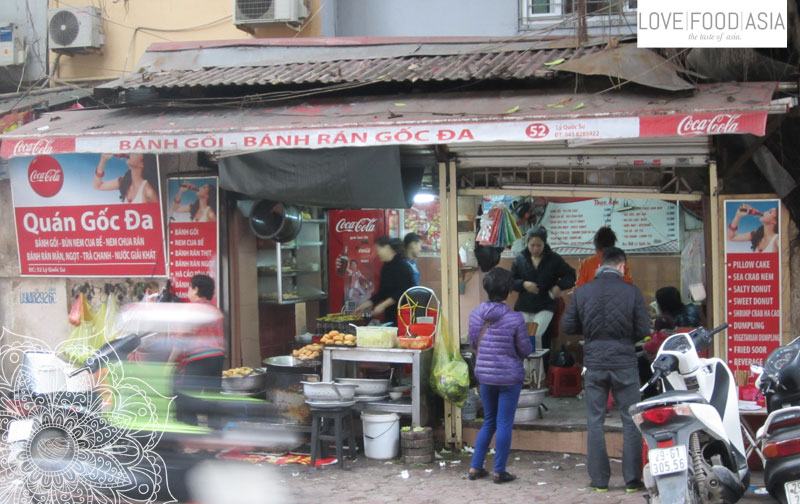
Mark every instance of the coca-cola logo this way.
pixel 717 125
pixel 364 225
pixel 45 176
pixel 34 147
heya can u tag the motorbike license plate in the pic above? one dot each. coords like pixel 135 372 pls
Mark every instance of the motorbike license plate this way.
pixel 667 460
pixel 792 489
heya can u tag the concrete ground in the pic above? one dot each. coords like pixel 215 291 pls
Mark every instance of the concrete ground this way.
pixel 542 478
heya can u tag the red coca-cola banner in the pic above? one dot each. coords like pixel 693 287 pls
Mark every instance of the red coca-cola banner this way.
pixel 752 280
pixel 354 266
pixel 88 215
pixel 707 123
pixel 193 231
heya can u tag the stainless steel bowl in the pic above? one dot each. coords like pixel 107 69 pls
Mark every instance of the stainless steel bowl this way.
pixel 253 382
pixel 526 414
pixel 531 398
pixel 328 391
pixel 367 386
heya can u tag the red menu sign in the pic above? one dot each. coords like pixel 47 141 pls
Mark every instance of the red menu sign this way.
pixel 88 215
pixel 753 280
pixel 193 232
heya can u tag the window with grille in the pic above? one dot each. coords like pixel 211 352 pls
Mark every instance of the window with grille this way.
pixel 534 12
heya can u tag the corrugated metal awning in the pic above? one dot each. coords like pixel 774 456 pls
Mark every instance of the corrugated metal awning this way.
pixel 401 120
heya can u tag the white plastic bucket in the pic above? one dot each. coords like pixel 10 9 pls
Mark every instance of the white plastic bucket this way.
pixel 381 435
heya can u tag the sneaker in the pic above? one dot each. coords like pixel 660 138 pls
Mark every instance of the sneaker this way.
pixel 597 488
pixel 504 477
pixel 634 486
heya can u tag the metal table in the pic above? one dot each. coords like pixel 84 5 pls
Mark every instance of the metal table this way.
pixel 420 361
pixel 747 432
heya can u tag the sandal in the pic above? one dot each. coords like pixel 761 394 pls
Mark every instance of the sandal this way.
pixel 472 476
pixel 504 477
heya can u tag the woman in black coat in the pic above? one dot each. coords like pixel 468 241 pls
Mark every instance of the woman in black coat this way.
pixel 396 278
pixel 540 276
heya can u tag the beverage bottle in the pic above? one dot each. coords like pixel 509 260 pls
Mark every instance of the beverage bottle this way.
pixel 341 262
pixel 755 212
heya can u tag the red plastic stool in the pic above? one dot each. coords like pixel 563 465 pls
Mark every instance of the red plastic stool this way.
pixel 564 381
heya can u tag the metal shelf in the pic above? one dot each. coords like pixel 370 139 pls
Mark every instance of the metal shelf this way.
pixel 304 244
pixel 266 300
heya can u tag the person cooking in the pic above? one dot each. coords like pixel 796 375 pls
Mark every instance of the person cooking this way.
pixel 540 276
pixel 396 277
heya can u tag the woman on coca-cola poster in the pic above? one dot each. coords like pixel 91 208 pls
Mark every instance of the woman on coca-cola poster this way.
pixel 752 226
pixel 137 185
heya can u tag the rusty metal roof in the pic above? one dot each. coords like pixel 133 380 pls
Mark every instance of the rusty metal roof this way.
pixel 498 62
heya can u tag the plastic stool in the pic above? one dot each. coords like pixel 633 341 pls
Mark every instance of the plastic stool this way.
pixel 320 431
pixel 564 381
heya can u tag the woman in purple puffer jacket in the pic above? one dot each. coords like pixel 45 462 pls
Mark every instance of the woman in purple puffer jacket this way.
pixel 501 338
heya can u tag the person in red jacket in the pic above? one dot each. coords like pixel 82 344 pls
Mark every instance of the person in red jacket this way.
pixel 603 238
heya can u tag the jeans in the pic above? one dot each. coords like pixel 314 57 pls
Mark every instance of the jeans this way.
pixel 499 407
pixel 624 385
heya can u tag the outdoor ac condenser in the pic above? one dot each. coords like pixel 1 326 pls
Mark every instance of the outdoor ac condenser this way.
pixel 258 12
pixel 75 29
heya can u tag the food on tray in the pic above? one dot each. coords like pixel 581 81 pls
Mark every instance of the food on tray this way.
pixel 238 371
pixel 338 338
pixel 339 317
pixel 308 352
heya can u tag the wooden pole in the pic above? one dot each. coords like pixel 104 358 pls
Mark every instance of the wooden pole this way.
pixel 718 298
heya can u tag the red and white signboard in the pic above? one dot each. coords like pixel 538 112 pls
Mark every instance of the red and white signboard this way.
pixel 419 133
pixel 193 231
pixel 87 215
pixel 752 280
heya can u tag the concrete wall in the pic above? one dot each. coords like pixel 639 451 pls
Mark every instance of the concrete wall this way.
pixel 31 18
pixel 426 18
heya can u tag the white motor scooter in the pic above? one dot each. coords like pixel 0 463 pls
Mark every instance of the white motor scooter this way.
pixel 696 453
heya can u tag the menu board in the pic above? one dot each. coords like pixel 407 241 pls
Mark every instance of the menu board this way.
pixel 752 280
pixel 193 232
pixel 88 215
pixel 642 226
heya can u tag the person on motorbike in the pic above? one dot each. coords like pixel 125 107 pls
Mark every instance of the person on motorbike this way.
pixel 612 315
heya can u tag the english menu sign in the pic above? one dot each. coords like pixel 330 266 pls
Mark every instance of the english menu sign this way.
pixel 752 280
pixel 88 215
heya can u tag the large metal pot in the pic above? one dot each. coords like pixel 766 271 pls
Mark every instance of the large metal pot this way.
pixel 531 398
pixel 284 388
pixel 251 383
pixel 271 220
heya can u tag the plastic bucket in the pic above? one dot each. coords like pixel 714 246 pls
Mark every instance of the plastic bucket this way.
pixel 381 435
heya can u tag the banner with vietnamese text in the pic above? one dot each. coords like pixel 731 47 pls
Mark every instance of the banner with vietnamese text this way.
pixel 91 215
pixel 193 231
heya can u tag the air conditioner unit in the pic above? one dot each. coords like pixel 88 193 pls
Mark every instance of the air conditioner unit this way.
pixel 12 46
pixel 75 29
pixel 258 12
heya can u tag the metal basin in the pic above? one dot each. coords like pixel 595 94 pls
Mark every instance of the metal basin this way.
pixel 367 386
pixel 328 391
pixel 531 398
pixel 255 381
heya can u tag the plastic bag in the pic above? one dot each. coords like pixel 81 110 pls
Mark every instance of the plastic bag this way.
pixel 562 358
pixel 450 374
pixel 76 312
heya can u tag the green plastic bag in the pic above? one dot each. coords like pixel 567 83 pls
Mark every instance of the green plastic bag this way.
pixel 450 374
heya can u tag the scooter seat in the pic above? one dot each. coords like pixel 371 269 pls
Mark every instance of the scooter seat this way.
pixel 667 398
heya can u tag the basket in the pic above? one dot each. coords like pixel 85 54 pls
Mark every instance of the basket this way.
pixel 418 343
pixel 416 303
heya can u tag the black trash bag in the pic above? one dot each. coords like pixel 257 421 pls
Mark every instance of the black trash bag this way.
pixel 167 295
pixel 562 358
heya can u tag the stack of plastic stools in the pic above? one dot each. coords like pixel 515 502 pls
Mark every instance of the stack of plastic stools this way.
pixel 332 424
pixel 564 381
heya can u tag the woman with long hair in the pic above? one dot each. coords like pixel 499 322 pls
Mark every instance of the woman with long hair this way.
pixel 395 279
pixel 139 183
pixel 540 276
pixel 200 210
pixel 763 239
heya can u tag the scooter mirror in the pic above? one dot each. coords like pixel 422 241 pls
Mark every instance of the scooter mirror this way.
pixel 757 369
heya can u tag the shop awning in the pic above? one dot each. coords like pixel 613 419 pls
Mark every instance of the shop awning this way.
pixel 531 116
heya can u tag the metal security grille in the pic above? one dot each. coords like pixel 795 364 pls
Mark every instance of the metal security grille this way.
pixel 536 8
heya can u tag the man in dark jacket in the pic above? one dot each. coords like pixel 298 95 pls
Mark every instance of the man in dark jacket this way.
pixel 612 316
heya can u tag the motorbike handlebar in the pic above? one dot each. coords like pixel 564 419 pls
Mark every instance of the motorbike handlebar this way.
pixel 720 328
pixel 656 376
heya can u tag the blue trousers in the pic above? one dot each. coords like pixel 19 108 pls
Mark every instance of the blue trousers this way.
pixel 499 407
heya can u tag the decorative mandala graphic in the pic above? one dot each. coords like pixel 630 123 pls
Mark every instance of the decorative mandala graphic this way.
pixel 87 439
